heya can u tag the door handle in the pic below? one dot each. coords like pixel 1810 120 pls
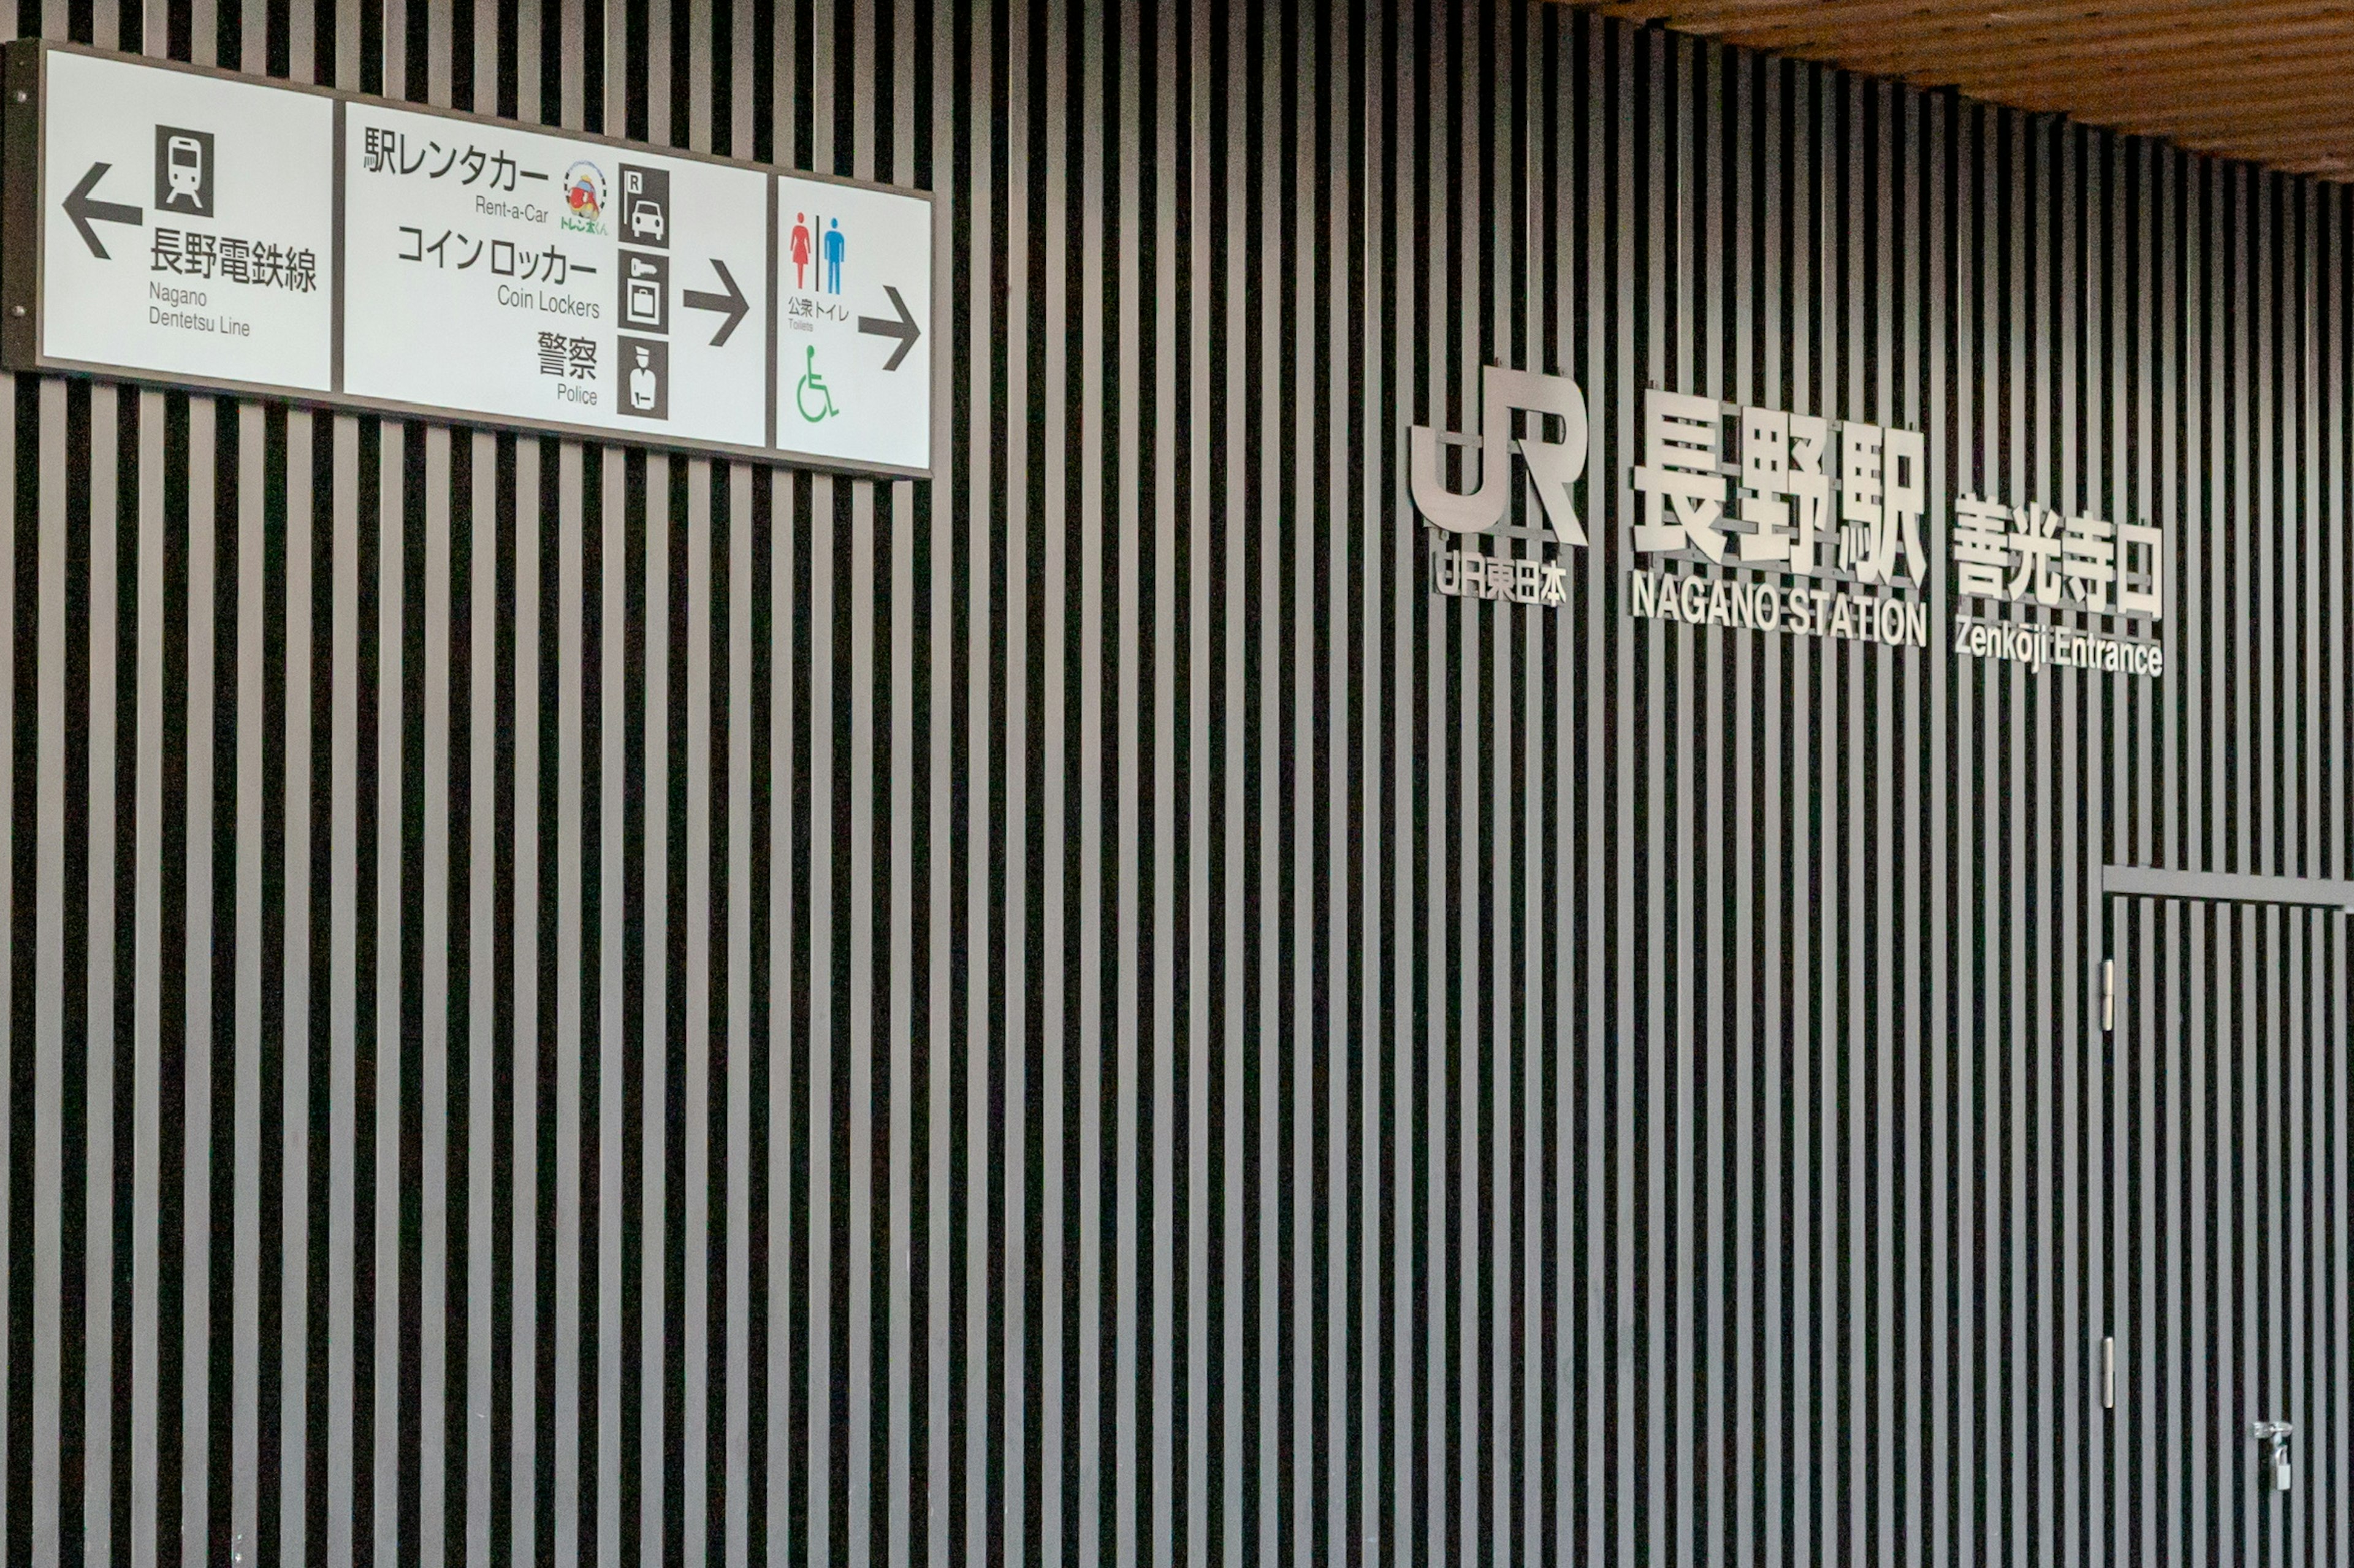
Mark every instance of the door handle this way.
pixel 2276 1435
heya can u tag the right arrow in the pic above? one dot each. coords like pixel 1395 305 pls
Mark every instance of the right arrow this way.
pixel 904 329
pixel 731 304
pixel 82 208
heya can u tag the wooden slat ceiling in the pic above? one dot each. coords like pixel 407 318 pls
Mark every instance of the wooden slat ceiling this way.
pixel 2268 81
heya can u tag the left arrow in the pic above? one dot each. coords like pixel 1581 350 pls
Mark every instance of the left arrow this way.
pixel 83 210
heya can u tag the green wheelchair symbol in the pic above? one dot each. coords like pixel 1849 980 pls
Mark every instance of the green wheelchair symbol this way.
pixel 813 395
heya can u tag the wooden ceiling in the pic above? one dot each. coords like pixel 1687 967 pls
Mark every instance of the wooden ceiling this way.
pixel 2267 80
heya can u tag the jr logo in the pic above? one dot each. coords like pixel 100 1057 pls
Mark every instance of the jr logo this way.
pixel 1558 410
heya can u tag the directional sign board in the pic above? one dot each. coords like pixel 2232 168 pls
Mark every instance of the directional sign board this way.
pixel 507 273
pixel 186 227
pixel 851 321
pixel 194 237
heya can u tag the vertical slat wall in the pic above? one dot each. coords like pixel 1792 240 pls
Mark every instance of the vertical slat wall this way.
pixel 572 1005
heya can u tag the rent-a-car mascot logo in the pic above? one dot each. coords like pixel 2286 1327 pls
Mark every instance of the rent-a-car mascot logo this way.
pixel 584 197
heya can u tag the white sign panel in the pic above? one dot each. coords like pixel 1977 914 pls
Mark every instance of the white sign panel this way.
pixel 529 277
pixel 189 225
pixel 854 291
pixel 201 229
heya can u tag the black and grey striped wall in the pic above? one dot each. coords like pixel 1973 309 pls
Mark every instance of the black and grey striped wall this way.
pixel 568 1005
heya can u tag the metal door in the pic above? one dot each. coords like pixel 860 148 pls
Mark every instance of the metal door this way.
pixel 2226 1271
